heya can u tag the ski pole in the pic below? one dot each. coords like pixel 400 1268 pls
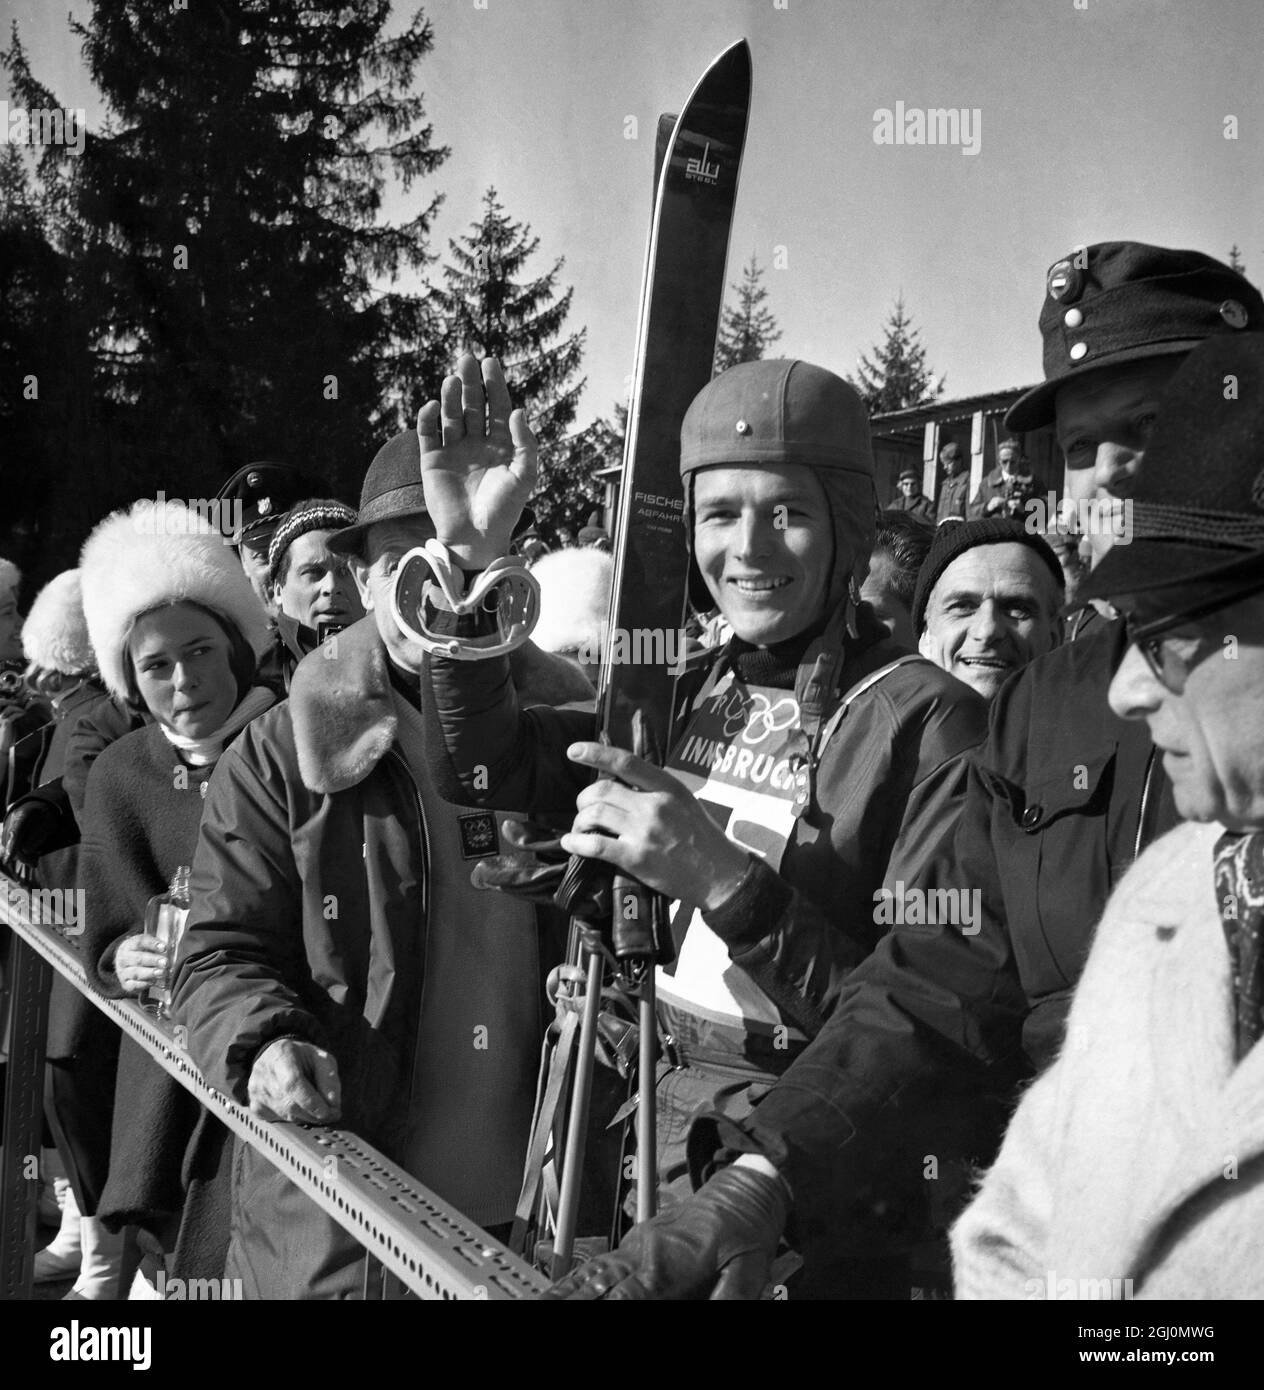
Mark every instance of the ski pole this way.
pixel 577 1122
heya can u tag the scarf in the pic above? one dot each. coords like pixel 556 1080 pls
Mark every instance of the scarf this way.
pixel 202 752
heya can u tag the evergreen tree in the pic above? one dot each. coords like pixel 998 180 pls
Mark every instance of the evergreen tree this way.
pixel 1235 260
pixel 45 376
pixel 492 306
pixel 749 329
pixel 897 377
pixel 236 284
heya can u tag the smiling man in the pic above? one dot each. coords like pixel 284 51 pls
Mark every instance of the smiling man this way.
pixel 987 601
pixel 773 820
pixel 1060 800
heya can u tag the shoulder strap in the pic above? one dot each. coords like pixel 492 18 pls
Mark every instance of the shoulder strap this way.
pixel 859 689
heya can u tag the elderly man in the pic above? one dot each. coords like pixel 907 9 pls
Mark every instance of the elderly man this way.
pixel 1061 799
pixel 1005 490
pixel 331 887
pixel 909 498
pixel 954 488
pixel 988 601
pixel 1127 1171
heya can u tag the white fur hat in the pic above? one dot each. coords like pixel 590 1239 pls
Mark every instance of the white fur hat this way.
pixel 574 598
pixel 10 575
pixel 152 555
pixel 55 633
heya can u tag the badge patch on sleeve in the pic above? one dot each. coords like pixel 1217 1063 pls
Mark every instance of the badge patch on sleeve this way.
pixel 478 834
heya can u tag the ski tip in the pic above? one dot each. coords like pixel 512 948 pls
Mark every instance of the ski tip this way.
pixel 735 52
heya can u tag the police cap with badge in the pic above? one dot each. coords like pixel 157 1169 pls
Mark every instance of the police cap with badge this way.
pixel 1123 301
pixel 265 492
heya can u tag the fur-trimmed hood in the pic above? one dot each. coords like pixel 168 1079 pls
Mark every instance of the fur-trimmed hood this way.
pixel 55 633
pixel 151 555
pixel 343 712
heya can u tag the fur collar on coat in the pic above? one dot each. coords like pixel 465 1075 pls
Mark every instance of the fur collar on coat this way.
pixel 344 714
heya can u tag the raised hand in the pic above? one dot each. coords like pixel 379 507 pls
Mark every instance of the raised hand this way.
pixel 478 462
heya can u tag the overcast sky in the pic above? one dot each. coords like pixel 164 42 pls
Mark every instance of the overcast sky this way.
pixel 1096 123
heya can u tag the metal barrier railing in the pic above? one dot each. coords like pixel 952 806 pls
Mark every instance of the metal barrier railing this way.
pixel 427 1244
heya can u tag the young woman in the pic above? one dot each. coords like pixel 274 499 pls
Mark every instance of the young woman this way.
pixel 178 632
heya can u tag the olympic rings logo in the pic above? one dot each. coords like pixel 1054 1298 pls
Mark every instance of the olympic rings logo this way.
pixel 758 718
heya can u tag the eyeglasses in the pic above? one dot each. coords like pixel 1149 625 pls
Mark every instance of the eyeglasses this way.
pixel 1173 645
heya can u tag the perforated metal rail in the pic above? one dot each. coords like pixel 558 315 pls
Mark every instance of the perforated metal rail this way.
pixel 433 1250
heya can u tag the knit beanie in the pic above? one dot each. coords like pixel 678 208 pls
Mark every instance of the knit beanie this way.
pixel 954 538
pixel 316 514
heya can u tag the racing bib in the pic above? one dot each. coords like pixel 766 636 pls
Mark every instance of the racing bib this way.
pixel 743 755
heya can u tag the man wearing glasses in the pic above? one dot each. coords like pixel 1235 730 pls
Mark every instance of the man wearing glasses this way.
pixel 1061 799
pixel 1131 1167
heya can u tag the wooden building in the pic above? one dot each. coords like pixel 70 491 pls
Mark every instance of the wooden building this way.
pixel 915 436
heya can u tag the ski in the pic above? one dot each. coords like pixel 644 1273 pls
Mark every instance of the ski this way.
pixel 682 295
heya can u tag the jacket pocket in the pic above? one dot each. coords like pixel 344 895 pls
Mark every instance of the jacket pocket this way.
pixel 1050 839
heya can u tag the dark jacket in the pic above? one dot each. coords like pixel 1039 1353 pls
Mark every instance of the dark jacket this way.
pixel 937 1028
pixel 311 889
pixel 953 497
pixel 896 760
pixel 1012 494
pixel 920 508
pixel 140 822
pixel 75 1025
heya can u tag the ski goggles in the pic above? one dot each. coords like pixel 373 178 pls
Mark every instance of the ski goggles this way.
pixel 427 598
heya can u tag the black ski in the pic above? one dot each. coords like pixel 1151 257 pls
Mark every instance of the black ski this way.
pixel 682 295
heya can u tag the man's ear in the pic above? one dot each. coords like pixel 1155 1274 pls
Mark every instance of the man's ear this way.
pixel 928 647
pixel 360 573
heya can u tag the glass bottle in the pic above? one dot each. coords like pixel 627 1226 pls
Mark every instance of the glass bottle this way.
pixel 165 916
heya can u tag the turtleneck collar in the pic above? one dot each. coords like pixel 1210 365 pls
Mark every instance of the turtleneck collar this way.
pixel 776 665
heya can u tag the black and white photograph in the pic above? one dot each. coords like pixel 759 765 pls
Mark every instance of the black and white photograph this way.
pixel 631 667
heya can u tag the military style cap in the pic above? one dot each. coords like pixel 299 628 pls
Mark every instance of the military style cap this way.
pixel 777 412
pixel 266 492
pixel 909 473
pixel 1198 502
pixel 392 488
pixel 1121 301
pixel 952 449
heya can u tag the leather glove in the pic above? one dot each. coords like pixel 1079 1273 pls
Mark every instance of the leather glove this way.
pixel 718 1243
pixel 28 827
pixel 541 871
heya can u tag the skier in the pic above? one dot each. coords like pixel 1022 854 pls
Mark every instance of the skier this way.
pixel 773 820
pixel 1060 800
